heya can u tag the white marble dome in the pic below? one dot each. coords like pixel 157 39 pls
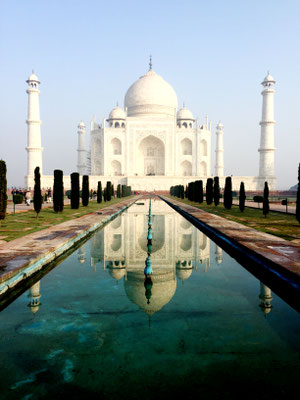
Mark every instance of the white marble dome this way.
pixel 151 94
pixel 117 113
pixel 184 114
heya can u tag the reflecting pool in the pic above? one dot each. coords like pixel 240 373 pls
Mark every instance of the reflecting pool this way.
pixel 93 328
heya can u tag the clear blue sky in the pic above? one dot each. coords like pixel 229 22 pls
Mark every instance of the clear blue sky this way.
pixel 87 53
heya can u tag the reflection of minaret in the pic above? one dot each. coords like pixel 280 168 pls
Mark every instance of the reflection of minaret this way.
pixel 81 254
pixel 266 298
pixel 219 254
pixel 34 295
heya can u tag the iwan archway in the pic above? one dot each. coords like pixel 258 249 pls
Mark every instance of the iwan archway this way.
pixel 151 157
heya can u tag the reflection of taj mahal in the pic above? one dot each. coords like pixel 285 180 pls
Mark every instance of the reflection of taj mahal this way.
pixel 122 247
pixel 178 251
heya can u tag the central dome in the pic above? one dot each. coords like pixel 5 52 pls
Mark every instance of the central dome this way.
pixel 151 94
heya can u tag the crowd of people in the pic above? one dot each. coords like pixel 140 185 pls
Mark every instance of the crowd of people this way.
pixel 27 195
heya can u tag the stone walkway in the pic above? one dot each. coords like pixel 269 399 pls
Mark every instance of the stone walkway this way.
pixel 23 257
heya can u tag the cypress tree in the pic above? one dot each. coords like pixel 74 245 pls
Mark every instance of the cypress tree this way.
pixel 266 206
pixel 58 191
pixel 216 191
pixel 119 191
pixel 298 197
pixel 75 190
pixel 228 193
pixel 242 197
pixel 209 191
pixel 104 194
pixel 200 199
pixel 99 192
pixel 37 194
pixel 182 191
pixel 3 190
pixel 112 191
pixel 85 190
pixel 108 191
pixel 123 191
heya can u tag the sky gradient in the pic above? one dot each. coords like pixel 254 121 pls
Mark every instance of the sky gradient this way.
pixel 215 55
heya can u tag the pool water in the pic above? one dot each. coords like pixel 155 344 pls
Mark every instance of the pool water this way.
pixel 204 327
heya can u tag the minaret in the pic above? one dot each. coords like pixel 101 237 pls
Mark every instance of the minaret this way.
pixel 267 149
pixel 219 169
pixel 81 159
pixel 34 144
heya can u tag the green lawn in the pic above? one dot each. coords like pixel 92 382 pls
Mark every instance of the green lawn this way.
pixel 278 224
pixel 17 225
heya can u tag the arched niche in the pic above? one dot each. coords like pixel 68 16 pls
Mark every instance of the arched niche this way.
pixel 203 147
pixel 116 146
pixel 116 242
pixel 186 168
pixel 203 169
pixel 186 242
pixel 186 147
pixel 151 159
pixel 116 168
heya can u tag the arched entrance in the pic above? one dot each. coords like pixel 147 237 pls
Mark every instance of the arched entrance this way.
pixel 151 160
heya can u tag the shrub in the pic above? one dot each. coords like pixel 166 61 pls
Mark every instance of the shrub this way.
pixel 242 197
pixel 3 190
pixel 85 190
pixel 99 192
pixel 18 198
pixel 108 191
pixel 298 197
pixel 228 193
pixel 258 199
pixel 209 191
pixel 119 191
pixel 266 206
pixel 37 194
pixel 216 191
pixel 58 191
pixel 74 195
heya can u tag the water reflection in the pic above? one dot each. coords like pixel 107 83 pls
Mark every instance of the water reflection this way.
pixel 34 296
pixel 149 250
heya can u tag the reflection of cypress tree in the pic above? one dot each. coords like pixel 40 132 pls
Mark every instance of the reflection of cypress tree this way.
pixel 75 190
pixel 266 207
pixel 216 191
pixel 298 197
pixel 99 192
pixel 228 193
pixel 37 194
pixel 242 197
pixel 58 191
pixel 85 190
pixel 3 190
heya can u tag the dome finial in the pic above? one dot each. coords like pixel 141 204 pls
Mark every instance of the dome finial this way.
pixel 150 63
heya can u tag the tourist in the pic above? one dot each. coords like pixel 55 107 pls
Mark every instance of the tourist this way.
pixel 27 198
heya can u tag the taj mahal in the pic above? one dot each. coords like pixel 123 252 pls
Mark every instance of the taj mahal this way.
pixel 150 144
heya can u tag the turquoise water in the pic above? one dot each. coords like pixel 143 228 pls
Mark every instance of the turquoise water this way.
pixel 207 327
